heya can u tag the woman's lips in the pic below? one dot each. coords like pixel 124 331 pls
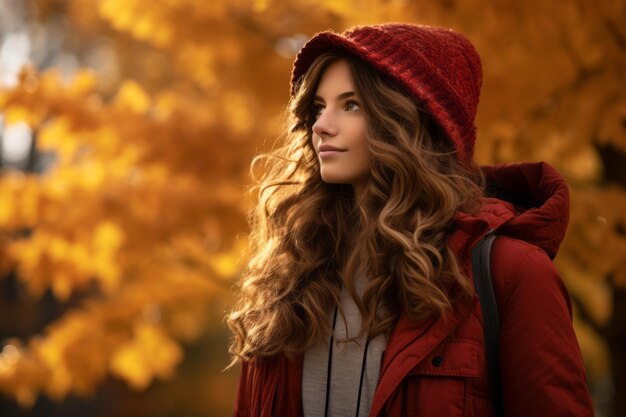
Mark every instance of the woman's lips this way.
pixel 329 153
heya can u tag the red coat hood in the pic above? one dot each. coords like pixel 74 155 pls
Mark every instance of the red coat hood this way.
pixel 527 201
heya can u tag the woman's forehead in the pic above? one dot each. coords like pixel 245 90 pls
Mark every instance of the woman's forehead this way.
pixel 335 80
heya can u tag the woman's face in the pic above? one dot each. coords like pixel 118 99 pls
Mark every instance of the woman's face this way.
pixel 339 130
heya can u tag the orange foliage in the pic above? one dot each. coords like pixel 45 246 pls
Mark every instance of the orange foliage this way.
pixel 146 197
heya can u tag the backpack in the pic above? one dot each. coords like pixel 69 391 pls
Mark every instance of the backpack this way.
pixel 481 269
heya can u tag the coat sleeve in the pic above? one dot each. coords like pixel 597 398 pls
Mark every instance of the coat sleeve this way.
pixel 541 364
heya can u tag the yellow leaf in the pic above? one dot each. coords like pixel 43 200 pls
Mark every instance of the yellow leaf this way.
pixel 108 236
pixel 151 353
pixel 61 286
pixel 132 96
pixel 237 107
pixel 225 265
pixel 15 114
pixel 259 6
pixel 83 82
pixel 93 175
pixel 54 133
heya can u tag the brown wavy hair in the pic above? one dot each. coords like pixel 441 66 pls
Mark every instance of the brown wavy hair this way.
pixel 308 237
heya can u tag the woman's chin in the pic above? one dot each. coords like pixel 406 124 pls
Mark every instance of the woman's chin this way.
pixel 329 179
pixel 342 179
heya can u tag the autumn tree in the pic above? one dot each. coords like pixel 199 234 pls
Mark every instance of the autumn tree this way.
pixel 139 222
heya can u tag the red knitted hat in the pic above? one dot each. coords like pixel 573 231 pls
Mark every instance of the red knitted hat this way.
pixel 437 66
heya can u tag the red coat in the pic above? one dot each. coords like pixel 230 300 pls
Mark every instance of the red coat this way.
pixel 541 364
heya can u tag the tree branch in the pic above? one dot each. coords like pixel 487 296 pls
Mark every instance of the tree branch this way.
pixel 585 315
pixel 618 37
pixel 545 107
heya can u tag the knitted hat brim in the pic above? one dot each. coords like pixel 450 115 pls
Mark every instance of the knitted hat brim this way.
pixel 386 60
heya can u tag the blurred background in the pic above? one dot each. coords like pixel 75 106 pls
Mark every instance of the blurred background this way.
pixel 127 128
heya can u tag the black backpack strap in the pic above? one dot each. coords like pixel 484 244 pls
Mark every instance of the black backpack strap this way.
pixel 481 269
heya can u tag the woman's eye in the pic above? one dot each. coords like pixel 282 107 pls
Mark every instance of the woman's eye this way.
pixel 352 105
pixel 317 110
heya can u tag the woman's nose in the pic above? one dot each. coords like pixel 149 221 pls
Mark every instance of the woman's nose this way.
pixel 325 125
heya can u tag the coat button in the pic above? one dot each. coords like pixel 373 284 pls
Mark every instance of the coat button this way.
pixel 437 361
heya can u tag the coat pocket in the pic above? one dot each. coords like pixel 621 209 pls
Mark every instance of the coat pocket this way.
pixel 438 385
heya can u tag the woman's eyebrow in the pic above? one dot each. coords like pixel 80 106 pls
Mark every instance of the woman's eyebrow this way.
pixel 339 97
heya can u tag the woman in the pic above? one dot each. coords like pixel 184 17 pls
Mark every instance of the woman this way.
pixel 358 299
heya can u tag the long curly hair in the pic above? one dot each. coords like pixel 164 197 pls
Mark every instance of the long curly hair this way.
pixel 309 238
